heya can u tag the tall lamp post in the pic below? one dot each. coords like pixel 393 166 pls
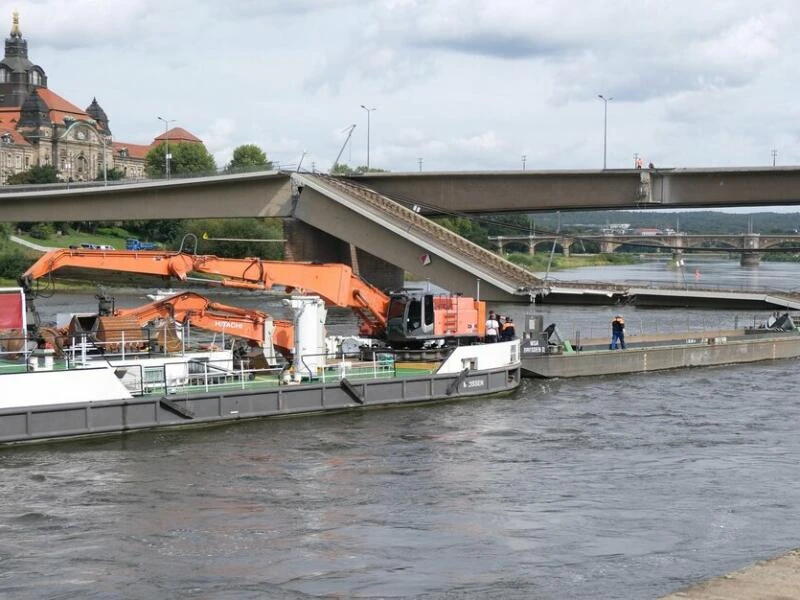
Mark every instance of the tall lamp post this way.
pixel 369 110
pixel 104 140
pixel 605 125
pixel 167 156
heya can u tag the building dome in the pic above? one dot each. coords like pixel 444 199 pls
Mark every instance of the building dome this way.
pixel 96 111
pixel 34 111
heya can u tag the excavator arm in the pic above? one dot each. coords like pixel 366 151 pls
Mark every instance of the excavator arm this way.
pixel 201 312
pixel 336 284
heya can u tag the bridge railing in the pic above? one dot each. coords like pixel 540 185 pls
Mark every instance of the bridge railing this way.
pixel 69 185
pixel 518 276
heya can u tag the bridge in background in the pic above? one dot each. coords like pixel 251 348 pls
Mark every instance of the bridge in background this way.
pixel 749 245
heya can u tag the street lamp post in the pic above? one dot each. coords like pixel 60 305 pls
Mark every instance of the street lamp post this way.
pixel 369 110
pixel 605 125
pixel 167 156
pixel 104 140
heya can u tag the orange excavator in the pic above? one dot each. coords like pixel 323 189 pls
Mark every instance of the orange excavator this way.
pixel 407 319
pixel 189 307
pixel 265 337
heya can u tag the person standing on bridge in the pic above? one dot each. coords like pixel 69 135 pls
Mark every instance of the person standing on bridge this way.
pixel 617 333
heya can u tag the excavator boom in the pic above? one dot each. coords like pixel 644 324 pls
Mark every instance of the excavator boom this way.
pixel 201 312
pixel 336 284
pixel 406 319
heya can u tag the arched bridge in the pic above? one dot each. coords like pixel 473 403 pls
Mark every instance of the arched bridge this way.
pixel 750 245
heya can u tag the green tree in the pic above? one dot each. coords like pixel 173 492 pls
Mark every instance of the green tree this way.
pixel 165 231
pixel 114 174
pixel 466 229
pixel 342 169
pixel 188 158
pixel 347 170
pixel 36 174
pixel 249 157
pixel 243 237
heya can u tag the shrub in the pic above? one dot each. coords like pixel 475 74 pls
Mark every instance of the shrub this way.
pixel 14 263
pixel 113 232
pixel 42 231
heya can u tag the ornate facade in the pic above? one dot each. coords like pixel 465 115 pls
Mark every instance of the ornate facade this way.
pixel 39 127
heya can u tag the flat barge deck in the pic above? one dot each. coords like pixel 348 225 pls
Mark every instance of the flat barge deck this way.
pixel 656 353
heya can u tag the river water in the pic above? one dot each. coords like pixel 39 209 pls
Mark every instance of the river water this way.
pixel 605 487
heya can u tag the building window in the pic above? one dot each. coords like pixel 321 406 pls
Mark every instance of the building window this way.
pixel 35 78
pixel 27 161
pixel 3 75
pixel 19 161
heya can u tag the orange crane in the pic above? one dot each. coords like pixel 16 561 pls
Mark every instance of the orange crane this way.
pixel 407 318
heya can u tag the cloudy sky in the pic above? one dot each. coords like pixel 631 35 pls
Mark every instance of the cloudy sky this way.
pixel 459 84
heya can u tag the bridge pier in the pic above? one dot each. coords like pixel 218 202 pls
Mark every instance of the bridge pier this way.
pixel 750 241
pixel 305 242
pixel 750 259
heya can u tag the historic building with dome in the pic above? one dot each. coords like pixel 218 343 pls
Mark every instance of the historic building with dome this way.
pixel 39 127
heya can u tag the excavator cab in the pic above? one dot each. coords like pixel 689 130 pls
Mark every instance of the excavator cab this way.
pixel 410 320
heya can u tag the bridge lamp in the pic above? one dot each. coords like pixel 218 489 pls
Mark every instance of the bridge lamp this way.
pixel 369 110
pixel 605 125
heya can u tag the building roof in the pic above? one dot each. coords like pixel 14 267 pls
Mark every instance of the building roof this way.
pixel 59 107
pixel 177 134
pixel 134 150
pixel 16 136
pixel 9 116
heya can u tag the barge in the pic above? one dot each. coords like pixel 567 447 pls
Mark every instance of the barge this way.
pixel 88 390
pixel 546 355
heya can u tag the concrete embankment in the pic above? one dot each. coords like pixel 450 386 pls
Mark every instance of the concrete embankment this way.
pixel 774 579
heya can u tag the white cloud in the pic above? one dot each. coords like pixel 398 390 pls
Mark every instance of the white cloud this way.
pixel 462 84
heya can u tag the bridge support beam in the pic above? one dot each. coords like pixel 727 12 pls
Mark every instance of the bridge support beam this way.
pixel 305 242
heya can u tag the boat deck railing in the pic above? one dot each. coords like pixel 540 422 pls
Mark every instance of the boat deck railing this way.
pixel 197 375
pixel 197 369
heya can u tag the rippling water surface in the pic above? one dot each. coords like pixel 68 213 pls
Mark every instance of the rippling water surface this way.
pixel 606 487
